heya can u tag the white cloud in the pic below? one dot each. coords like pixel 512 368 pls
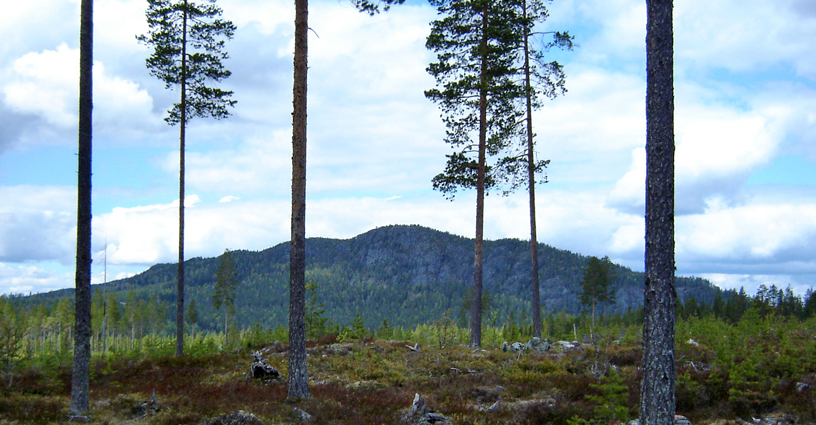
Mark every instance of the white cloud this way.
pixel 23 279
pixel 751 283
pixel 259 165
pixel 45 84
pixel 756 234
pixel 716 149
pixel 272 16
pixel 149 234
pixel 37 224
pixel 375 141
pixel 116 24
pixel 745 35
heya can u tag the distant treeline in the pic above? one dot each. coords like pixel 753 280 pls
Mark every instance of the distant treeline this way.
pixel 409 275
pixel 119 324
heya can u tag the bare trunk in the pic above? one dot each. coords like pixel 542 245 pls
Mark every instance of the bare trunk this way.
pixel 182 129
pixel 657 403
pixel 534 279
pixel 478 263
pixel 104 324
pixel 82 336
pixel 298 378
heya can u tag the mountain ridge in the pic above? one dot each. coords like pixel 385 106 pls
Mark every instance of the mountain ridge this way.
pixel 407 274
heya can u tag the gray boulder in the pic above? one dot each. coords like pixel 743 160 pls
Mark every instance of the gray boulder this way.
pixel 238 418
pixel 514 347
pixel 538 345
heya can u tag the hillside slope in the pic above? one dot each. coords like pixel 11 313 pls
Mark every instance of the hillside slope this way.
pixel 406 274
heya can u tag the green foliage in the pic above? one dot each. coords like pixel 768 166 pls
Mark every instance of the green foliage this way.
pixel 372 8
pixel 13 329
pixel 729 370
pixel 385 331
pixel 356 331
pixel 192 314
pixel 809 308
pixel 416 271
pixel 611 403
pixel 445 333
pixel 596 285
pixel 316 324
pixel 476 48
pixel 225 284
pixel 187 38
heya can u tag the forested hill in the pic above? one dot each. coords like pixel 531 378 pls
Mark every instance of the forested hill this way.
pixel 407 274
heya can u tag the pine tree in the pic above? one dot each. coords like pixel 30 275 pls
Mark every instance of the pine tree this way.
pixel 539 78
pixel 315 321
pixel 188 50
pixel 476 48
pixel 82 335
pixel 657 394
pixel 13 328
pixel 596 286
pixel 225 284
pixel 192 315
pixel 298 378
pixel 809 304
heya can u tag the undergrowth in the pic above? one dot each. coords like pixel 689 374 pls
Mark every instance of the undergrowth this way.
pixel 758 365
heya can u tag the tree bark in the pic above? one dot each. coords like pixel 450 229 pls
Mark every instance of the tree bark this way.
pixel 82 335
pixel 182 130
pixel 534 278
pixel 298 379
pixel 657 405
pixel 478 262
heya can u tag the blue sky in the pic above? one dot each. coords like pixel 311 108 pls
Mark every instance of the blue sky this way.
pixel 745 97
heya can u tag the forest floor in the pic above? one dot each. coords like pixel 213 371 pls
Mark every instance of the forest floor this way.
pixel 375 382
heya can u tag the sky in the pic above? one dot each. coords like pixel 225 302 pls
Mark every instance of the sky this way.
pixel 745 132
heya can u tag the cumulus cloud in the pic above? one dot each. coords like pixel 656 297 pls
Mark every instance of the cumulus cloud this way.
pixel 744 95
pixel 44 84
pixel 24 279
pixel 757 235
pixel 148 234
pixel 37 224
pixel 745 36
pixel 588 132
pixel 716 149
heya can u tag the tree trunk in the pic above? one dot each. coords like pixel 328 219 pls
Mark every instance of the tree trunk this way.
pixel 657 404
pixel 182 129
pixel 298 379
pixel 534 279
pixel 478 262
pixel 104 323
pixel 82 336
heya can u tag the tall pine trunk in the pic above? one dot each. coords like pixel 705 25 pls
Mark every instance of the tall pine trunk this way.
pixel 478 262
pixel 657 403
pixel 534 278
pixel 298 379
pixel 82 335
pixel 182 135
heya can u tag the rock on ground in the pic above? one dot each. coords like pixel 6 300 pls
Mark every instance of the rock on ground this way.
pixel 238 418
